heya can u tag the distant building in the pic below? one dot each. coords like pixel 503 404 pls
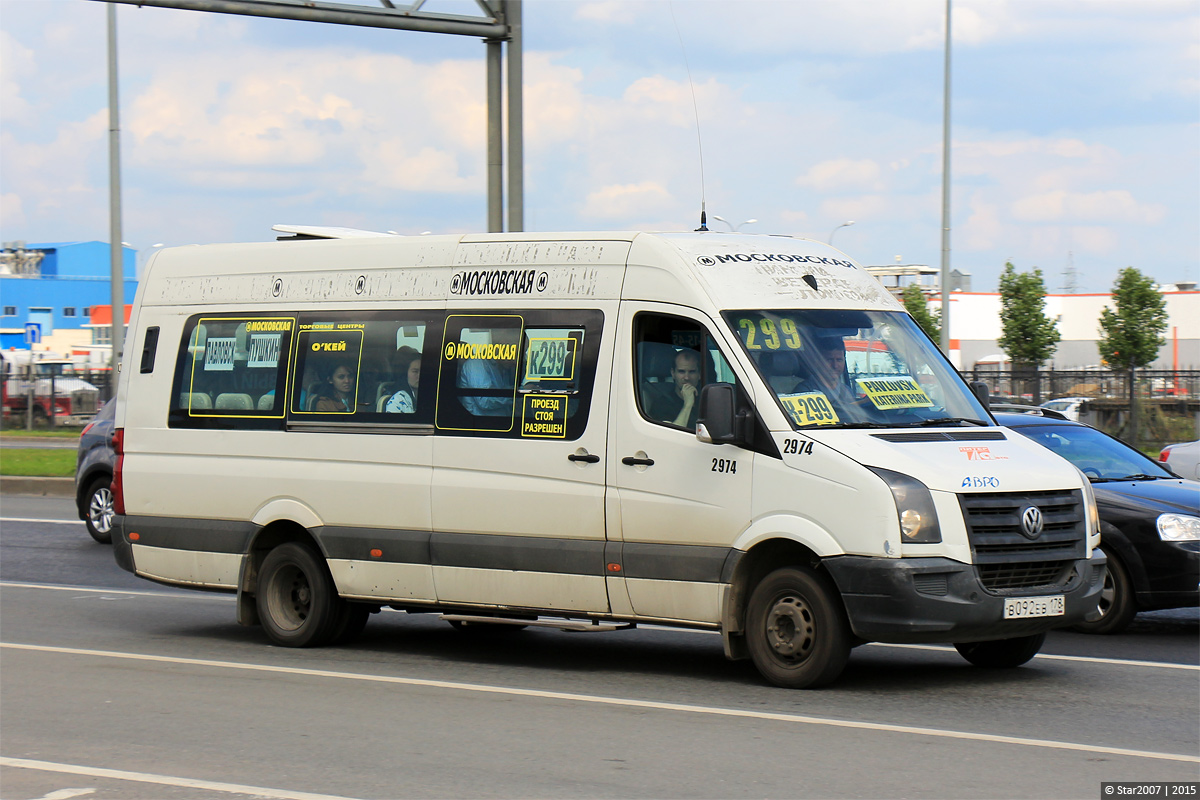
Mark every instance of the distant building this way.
pixel 48 291
pixel 975 327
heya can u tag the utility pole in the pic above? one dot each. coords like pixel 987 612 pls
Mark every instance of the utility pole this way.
pixel 117 250
pixel 945 337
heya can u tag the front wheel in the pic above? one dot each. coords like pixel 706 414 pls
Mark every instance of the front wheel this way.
pixel 1002 653
pixel 796 629
pixel 297 602
pixel 99 505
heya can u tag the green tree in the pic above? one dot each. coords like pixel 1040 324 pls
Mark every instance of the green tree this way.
pixel 1028 335
pixel 1131 335
pixel 914 302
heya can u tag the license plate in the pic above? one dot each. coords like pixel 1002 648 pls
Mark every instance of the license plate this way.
pixel 1024 607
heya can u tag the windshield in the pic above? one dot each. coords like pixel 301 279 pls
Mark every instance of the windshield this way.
pixel 1101 457
pixel 854 369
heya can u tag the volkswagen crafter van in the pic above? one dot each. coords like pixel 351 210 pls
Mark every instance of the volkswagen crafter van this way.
pixel 739 433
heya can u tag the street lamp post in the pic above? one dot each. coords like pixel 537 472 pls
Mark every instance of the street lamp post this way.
pixel 732 227
pixel 845 224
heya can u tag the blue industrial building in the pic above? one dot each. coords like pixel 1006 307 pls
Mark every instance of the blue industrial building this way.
pixel 55 285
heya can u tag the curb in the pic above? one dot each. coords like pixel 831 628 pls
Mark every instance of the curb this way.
pixel 38 487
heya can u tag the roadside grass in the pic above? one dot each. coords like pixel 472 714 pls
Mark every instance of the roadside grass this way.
pixel 33 462
pixel 40 433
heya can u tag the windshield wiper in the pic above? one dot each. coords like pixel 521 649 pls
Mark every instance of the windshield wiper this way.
pixel 948 420
pixel 1141 476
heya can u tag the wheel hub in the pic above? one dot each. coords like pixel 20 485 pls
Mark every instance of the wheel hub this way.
pixel 790 628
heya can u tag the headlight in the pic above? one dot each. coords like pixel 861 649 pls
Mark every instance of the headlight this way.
pixel 1090 507
pixel 914 507
pixel 1178 528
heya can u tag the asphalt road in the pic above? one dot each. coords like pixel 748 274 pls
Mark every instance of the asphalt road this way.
pixel 114 688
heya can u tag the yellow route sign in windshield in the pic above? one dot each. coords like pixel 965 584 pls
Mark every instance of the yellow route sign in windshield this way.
pixel 809 408
pixel 899 391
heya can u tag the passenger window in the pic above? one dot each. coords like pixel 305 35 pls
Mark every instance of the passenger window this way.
pixel 362 368
pixel 674 359
pixel 231 372
pixel 329 355
pixel 526 375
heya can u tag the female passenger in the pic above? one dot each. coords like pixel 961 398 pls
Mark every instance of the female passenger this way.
pixel 406 362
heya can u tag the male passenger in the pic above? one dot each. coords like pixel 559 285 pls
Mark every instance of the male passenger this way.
pixel 680 406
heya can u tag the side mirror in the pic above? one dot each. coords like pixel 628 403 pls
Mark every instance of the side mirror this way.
pixel 717 421
pixel 982 393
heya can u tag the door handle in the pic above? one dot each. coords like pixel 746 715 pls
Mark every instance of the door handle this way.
pixel 588 458
pixel 630 461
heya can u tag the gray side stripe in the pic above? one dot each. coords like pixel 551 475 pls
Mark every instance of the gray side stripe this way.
pixel 523 553
pixel 397 546
pixel 202 535
pixel 673 562
pixel 470 550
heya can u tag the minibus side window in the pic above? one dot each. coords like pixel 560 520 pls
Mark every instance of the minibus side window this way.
pixel 231 372
pixel 363 368
pixel 525 374
pixel 674 358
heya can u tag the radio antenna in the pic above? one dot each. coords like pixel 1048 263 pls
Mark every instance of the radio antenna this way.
pixel 696 111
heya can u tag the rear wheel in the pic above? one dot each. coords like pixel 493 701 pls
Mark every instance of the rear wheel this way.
pixel 297 602
pixel 1117 603
pixel 1002 653
pixel 796 629
pixel 99 506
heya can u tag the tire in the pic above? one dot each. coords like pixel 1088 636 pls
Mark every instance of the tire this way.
pixel 351 622
pixel 796 629
pixel 1002 653
pixel 296 599
pixel 1118 606
pixel 98 510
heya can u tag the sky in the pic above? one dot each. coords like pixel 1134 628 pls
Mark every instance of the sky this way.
pixel 1075 127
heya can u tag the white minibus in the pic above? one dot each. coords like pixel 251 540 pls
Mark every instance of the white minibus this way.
pixel 738 433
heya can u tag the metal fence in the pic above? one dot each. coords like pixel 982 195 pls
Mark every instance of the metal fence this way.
pixel 69 400
pixel 1038 386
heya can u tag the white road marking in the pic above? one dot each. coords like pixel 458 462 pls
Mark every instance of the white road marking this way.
pixel 1048 657
pixel 227 597
pixel 617 701
pixel 55 521
pixel 163 780
pixel 178 595
pixel 66 794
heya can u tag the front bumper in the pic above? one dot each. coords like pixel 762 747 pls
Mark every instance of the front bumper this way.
pixel 913 600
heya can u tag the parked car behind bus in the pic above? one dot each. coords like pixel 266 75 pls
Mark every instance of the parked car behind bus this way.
pixel 1183 459
pixel 93 474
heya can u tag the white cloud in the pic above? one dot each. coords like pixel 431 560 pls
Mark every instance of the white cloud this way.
pixel 620 12
pixel 16 64
pixel 12 211
pixel 1114 205
pixel 843 174
pixel 626 201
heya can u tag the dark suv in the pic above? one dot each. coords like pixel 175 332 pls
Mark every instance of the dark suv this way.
pixel 93 474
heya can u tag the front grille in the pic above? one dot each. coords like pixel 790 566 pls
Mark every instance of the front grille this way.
pixel 1007 559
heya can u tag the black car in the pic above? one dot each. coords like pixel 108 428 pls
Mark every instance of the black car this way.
pixel 1149 519
pixel 93 474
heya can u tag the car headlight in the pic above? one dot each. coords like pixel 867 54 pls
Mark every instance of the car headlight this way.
pixel 1090 507
pixel 914 507
pixel 1178 528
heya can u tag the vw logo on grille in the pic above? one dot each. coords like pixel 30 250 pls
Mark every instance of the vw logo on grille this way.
pixel 1031 522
